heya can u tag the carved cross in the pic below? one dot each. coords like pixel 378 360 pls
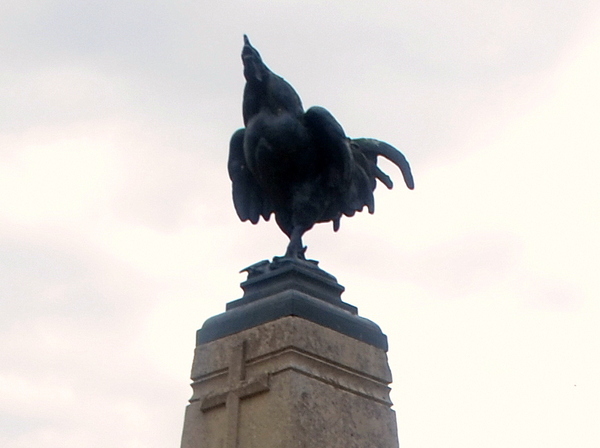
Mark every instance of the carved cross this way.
pixel 238 388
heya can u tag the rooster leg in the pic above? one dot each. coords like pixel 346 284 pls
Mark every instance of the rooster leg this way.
pixel 295 248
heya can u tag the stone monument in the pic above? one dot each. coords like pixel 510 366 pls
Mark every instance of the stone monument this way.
pixel 290 364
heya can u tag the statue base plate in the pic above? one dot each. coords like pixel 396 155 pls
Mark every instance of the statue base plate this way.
pixel 291 287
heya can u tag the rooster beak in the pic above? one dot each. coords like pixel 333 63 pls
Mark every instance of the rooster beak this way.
pixel 252 62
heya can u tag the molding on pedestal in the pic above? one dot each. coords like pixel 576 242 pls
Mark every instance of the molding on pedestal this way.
pixel 289 287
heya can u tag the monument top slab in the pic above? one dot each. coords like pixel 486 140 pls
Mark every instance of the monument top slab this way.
pixel 291 287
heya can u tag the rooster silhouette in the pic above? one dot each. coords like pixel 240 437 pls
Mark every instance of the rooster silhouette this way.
pixel 296 164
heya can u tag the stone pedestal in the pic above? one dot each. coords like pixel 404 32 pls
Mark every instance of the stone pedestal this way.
pixel 290 365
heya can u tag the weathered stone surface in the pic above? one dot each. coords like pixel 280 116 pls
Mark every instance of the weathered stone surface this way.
pixel 289 383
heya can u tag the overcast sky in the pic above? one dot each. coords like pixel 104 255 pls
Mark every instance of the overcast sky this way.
pixel 118 237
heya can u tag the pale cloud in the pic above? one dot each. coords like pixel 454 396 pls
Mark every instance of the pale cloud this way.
pixel 58 180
